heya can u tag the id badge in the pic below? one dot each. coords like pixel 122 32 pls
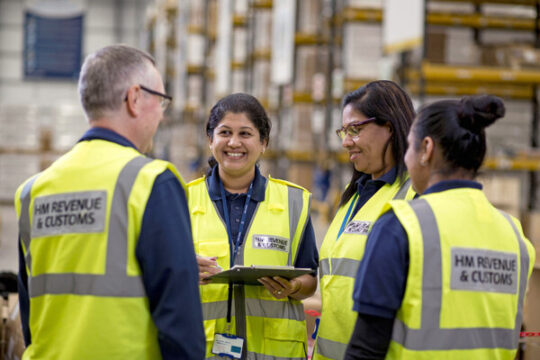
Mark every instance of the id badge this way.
pixel 228 345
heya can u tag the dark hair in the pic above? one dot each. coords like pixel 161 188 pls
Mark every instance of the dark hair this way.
pixel 388 103
pixel 239 103
pixel 458 126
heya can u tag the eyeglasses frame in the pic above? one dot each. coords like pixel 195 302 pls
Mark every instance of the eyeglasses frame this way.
pixel 354 124
pixel 165 99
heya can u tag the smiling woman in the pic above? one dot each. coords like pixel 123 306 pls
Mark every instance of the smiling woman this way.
pixel 235 212
pixel 375 121
pixel 236 145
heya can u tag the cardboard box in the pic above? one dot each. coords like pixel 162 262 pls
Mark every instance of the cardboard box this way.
pixel 531 315
pixel 436 46
pixel 300 136
pixel 301 174
pixel 12 338
pixel 520 56
pixel 504 192
pixel 307 59
pixel 531 227
pixel 491 55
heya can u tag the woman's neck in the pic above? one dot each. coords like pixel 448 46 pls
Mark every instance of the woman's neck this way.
pixel 442 175
pixel 236 184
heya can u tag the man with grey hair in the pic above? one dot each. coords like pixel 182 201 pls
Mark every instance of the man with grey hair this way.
pixel 107 266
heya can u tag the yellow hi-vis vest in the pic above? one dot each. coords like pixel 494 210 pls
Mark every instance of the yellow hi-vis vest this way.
pixel 468 271
pixel 272 328
pixel 338 265
pixel 79 223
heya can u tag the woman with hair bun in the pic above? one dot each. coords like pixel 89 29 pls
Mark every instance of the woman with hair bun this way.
pixel 460 266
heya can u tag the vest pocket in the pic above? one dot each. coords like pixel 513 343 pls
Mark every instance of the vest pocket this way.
pixel 215 247
pixel 284 338
pixel 284 329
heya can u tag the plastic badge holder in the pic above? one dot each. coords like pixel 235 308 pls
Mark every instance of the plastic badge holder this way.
pixel 248 275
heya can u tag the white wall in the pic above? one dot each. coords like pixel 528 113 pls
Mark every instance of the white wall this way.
pixel 105 22
pixel 31 109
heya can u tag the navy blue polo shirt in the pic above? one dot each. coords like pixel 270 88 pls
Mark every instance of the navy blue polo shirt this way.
pixel 308 256
pixel 382 274
pixel 167 260
pixel 367 187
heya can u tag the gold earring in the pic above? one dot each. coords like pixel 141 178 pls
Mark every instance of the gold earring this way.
pixel 423 162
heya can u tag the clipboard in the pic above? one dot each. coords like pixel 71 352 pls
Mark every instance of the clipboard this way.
pixel 248 275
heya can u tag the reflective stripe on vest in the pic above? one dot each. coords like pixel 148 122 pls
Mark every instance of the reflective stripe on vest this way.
pixel 349 267
pixel 430 336
pixel 340 266
pixel 115 282
pixel 257 307
pixel 24 220
pixel 295 210
pixel 256 356
pixel 330 349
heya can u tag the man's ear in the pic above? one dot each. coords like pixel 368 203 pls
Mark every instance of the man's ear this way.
pixel 133 99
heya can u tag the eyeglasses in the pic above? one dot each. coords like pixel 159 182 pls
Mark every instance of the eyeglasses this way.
pixel 353 129
pixel 165 99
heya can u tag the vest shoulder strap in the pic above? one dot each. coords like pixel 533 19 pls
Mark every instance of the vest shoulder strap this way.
pixel 173 169
pixel 287 183
pixel 405 190
pixel 195 182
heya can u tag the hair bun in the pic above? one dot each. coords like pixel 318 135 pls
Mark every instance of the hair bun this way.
pixel 475 113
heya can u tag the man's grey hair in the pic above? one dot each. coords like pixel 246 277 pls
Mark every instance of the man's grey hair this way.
pixel 106 76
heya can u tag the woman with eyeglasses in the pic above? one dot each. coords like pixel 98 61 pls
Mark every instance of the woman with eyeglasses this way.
pixel 240 217
pixel 376 119
pixel 455 267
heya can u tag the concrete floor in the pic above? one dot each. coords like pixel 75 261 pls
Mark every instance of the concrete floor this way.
pixel 9 233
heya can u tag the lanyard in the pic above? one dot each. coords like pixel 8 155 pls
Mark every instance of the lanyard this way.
pixel 346 220
pixel 228 223
pixel 234 251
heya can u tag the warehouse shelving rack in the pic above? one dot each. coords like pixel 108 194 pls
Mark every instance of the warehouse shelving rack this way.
pixel 441 79
pixel 427 78
pixel 514 83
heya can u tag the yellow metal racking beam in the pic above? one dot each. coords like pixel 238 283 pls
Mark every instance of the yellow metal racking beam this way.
pixel 306 98
pixel 353 14
pixel 505 2
pixel 262 4
pixel 476 74
pixel 194 69
pixel 480 21
pixel 262 54
pixel 515 163
pixel 238 65
pixel 195 30
pixel 307 39
pixel 460 89
pixel 239 20
pixel 350 84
